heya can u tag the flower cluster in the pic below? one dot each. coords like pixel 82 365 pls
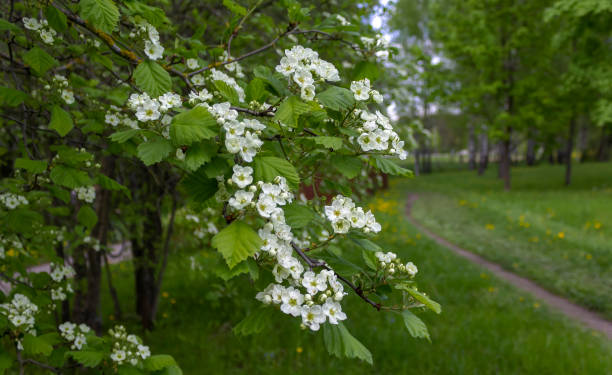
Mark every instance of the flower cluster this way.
pixel 343 215
pixel 389 262
pixel 114 116
pixel 46 33
pixel 192 63
pixel 75 334
pixel 200 231
pixel 152 48
pixel 232 67
pixel 150 109
pixel 127 348
pixel 240 136
pixel 217 75
pixel 20 312
pixel 362 91
pixel 86 193
pixel 12 201
pixel 377 134
pixel 300 64
pixel 62 83
pixel 60 273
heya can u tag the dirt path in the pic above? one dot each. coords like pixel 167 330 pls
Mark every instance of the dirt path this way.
pixel 589 318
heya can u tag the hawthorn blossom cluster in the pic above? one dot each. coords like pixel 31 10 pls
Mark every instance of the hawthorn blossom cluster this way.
pixel 389 262
pixel 46 33
pixel 299 64
pixel 217 75
pixel 12 201
pixel 114 116
pixel 75 334
pixel 11 242
pixel 200 231
pixel 378 134
pixel 62 83
pixel 127 348
pixel 60 273
pixel 241 137
pixel 86 193
pixel 362 91
pixel 20 312
pixel 344 215
pixel 150 109
pixel 232 67
pixel 152 47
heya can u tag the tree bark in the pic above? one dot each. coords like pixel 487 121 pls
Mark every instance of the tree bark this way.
pixel 471 147
pixel 484 153
pixel 504 164
pixel 568 151
pixel 603 151
pixel 530 157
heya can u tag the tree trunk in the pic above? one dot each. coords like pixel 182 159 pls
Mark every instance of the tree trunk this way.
pixel 568 151
pixel 484 153
pixel 504 163
pixel 583 140
pixel 530 157
pixel 471 148
pixel 603 151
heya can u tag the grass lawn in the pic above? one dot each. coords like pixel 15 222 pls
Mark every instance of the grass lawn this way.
pixel 486 326
pixel 560 237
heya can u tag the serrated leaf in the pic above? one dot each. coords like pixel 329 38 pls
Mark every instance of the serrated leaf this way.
pixel 11 97
pixel 158 362
pixel 124 135
pixel 69 177
pixel 56 19
pixel 156 16
pixel 255 90
pixel 87 216
pixel 234 7
pixel 365 243
pixel 415 326
pixel 154 151
pixel 22 220
pixel 255 322
pixel 268 167
pixel 6 25
pixel 336 98
pixel 108 183
pixel 366 69
pixel 328 142
pixel 102 14
pixel 298 215
pixel 193 126
pixel 237 242
pixel 35 345
pixel 290 110
pixel 199 154
pixel 370 259
pixel 349 166
pixel 39 60
pixel 339 342
pixel 33 166
pixel 225 273
pixel 217 167
pixel 61 121
pixel 86 358
pixel 425 300
pixel 389 167
pixel 199 186
pixel 171 370
pixel 227 91
pixel 152 78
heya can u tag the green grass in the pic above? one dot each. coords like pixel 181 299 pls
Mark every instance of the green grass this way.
pixel 486 326
pixel 557 236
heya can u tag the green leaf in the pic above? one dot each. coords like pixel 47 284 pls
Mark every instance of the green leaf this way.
pixel 234 7
pixel 255 322
pixel 340 342
pixel 156 16
pixel 365 243
pixel 389 167
pixel 154 151
pixel 87 216
pixel 158 362
pixel 217 167
pixel 6 361
pixel 227 91
pixel 290 110
pixel 199 153
pixel 298 215
pixel 226 273
pixel 33 166
pixel 199 186
pixel 108 183
pixel 23 220
pixel 69 177
pixel 6 25
pixel 336 98
pixel 56 19
pixel 193 126
pixel 416 327
pixel 431 304
pixel 171 370
pixel 39 60
pixel 128 370
pixel 102 14
pixel 349 166
pixel 366 69
pixel 370 259
pixel 35 345
pixel 152 78
pixel 86 358
pixel 11 97
pixel 255 90
pixel 61 121
pixel 268 167
pixel 124 136
pixel 328 142
pixel 237 242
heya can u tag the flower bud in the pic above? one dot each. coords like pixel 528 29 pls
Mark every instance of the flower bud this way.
pixel 252 188
pixel 307 297
pixel 338 296
pixel 267 300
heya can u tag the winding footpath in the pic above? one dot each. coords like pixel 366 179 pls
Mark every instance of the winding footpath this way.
pixel 572 310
